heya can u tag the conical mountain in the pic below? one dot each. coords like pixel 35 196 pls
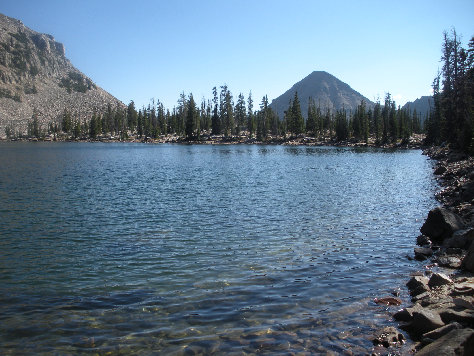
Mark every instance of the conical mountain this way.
pixel 36 76
pixel 327 91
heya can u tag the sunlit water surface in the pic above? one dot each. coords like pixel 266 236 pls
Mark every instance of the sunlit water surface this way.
pixel 170 249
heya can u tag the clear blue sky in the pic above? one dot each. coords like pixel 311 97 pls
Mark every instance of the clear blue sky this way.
pixel 143 49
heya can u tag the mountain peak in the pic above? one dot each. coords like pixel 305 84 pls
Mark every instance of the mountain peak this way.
pixel 327 91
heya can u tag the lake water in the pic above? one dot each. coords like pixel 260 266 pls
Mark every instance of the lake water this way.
pixel 177 249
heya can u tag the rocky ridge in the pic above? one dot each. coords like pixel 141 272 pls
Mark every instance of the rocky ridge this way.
pixel 36 76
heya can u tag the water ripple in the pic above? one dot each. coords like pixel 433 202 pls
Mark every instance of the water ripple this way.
pixel 218 249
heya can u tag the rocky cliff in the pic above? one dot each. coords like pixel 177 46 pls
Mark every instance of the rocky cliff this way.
pixel 35 75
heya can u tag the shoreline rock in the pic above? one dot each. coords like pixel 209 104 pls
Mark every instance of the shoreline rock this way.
pixel 415 141
pixel 441 319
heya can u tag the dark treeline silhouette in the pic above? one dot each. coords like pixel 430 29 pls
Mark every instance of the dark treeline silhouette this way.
pixel 222 118
pixel 451 118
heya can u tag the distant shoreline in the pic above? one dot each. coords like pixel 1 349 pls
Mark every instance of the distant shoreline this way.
pixel 415 142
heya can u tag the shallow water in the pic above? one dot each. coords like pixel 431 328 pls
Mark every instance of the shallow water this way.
pixel 174 249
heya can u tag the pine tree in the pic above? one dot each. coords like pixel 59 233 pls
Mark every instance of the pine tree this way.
pixel 67 121
pixel 94 129
pixel 377 119
pixel 162 124
pixel 132 116
pixel 274 122
pixel 77 129
pixel 140 124
pixel 288 118
pixel 311 123
pixel 360 123
pixel 227 111
pixel 181 114
pixel 192 119
pixel 240 113
pixel 33 126
pixel 251 124
pixel 452 117
pixel 216 122
pixel 342 128
pixel 434 122
pixel 386 118
pixel 296 116
pixel 263 119
pixel 205 116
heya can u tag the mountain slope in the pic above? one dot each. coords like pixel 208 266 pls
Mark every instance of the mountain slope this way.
pixel 326 90
pixel 422 105
pixel 36 76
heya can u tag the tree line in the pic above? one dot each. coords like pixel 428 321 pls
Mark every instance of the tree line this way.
pixel 451 120
pixel 221 116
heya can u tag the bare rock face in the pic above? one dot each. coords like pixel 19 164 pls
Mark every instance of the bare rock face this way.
pixel 36 75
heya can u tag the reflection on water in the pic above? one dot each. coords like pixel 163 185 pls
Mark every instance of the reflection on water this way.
pixel 215 249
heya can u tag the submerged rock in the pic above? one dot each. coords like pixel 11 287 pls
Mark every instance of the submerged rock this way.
pixel 388 301
pixel 387 337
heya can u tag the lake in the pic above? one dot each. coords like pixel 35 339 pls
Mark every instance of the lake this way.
pixel 189 249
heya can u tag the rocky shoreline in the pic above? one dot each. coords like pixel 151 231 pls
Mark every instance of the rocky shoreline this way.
pixel 415 141
pixel 441 319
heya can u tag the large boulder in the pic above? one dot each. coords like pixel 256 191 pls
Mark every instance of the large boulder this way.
pixel 425 321
pixel 468 261
pixel 456 342
pixel 437 333
pixel 438 280
pixel 406 314
pixel 460 239
pixel 441 223
pixel 418 285
pixel 465 316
